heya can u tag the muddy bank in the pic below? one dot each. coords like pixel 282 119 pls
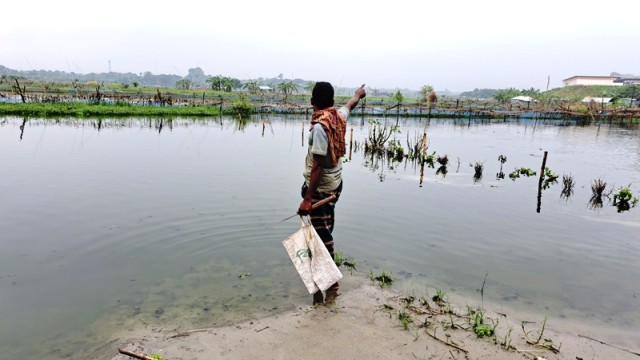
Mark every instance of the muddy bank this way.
pixel 371 322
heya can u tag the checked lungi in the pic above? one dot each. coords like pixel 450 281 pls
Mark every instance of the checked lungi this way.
pixel 323 217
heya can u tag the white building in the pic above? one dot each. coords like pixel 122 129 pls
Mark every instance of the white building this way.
pixel 591 80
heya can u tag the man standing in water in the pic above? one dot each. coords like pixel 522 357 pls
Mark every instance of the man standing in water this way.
pixel 323 167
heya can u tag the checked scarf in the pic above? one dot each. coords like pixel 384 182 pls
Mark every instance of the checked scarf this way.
pixel 335 126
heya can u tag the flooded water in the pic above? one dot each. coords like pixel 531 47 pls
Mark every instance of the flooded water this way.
pixel 116 224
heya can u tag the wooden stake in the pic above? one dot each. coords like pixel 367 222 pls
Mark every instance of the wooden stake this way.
pixel 350 143
pixel 544 164
pixel 424 145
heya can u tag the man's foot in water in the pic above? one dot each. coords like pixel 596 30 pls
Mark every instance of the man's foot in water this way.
pixel 318 299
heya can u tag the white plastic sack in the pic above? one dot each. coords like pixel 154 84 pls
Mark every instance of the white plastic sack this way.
pixel 311 259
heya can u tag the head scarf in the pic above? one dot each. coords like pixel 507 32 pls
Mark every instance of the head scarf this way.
pixel 335 126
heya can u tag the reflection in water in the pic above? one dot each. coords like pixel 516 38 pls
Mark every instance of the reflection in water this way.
pixel 477 172
pixel 443 160
pixel 442 170
pixel 502 159
pixel 193 220
pixel 598 192
pixel 624 200
pixel 24 122
pixel 567 187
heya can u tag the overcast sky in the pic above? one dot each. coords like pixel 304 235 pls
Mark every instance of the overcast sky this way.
pixel 454 45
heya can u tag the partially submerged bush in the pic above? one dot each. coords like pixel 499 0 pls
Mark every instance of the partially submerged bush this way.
pixel 623 199
pixel 522 171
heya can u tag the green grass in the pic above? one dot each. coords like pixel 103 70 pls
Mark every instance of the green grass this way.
pixel 384 279
pixel 113 110
pixel 579 92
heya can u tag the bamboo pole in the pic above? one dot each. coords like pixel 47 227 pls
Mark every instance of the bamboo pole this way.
pixel 350 143
pixel 424 145
pixel 544 164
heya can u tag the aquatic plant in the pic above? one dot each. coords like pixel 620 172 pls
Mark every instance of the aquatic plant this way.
pixel 442 170
pixel 417 147
pixel 430 159
pixel 567 186
pixel 598 191
pixel 341 259
pixel 384 279
pixel 623 199
pixel 395 151
pixel 378 137
pixel 522 171
pixel 550 174
pixel 477 168
pixel 502 159
pixel 443 160
pixel 598 188
pixel 439 296
pixel 549 178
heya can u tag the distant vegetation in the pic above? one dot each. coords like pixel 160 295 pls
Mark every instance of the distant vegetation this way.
pixel 479 94
pixel 56 93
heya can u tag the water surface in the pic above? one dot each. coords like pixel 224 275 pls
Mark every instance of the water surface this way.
pixel 111 225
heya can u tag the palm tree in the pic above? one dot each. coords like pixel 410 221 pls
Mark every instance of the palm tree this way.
pixel 252 86
pixel 228 84
pixel 309 86
pixel 287 87
pixel 216 82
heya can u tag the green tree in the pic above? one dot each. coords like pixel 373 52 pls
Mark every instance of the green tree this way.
pixel 530 92
pixel 398 96
pixel 228 84
pixel 628 91
pixel 504 95
pixel 223 83
pixel 309 86
pixel 425 90
pixel 197 76
pixel 216 82
pixel 287 87
pixel 252 86
pixel 184 84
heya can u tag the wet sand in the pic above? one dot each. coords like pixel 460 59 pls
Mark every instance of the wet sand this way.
pixel 364 324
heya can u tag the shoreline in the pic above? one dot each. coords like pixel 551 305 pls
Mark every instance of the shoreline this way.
pixel 367 322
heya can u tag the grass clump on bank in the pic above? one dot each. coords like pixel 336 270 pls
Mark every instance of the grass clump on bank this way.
pixel 96 110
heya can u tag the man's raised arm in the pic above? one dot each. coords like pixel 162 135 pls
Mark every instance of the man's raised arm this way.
pixel 353 102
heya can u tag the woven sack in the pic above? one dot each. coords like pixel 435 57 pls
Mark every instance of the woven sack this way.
pixel 311 259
